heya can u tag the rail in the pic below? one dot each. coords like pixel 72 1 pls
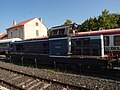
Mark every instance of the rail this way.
pixel 50 82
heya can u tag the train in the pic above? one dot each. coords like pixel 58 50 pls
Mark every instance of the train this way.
pixel 67 46
pixel 5 45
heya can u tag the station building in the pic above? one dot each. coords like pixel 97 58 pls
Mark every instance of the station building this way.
pixel 31 28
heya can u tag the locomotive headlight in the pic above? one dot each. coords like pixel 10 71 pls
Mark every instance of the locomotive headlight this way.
pixel 69 42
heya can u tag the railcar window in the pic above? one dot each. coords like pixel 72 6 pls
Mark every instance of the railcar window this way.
pixel 106 40
pixel 117 40
pixel 86 41
pixel 61 31
pixel 3 45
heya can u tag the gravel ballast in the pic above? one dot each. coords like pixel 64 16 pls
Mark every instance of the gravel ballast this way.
pixel 93 83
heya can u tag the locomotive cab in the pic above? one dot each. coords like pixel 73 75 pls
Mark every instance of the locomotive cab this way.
pixel 60 40
pixel 63 30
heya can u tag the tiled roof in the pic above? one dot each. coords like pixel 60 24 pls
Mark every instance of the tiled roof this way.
pixel 20 24
pixel 3 35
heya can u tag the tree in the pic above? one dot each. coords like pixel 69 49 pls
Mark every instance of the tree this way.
pixel 118 21
pixel 88 25
pixel 105 21
pixel 68 21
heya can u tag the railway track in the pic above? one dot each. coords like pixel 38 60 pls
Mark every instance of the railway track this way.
pixel 17 80
pixel 83 82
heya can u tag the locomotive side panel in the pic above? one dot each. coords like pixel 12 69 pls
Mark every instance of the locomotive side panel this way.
pixel 59 46
pixel 30 50
pixel 87 46
pixel 35 47
pixel 40 47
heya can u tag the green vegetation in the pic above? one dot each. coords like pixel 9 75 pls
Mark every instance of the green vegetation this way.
pixel 105 21
pixel 68 21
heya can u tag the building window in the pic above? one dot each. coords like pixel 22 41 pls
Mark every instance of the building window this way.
pixel 106 40
pixel 11 34
pixel 37 32
pixel 37 24
pixel 117 40
pixel 19 33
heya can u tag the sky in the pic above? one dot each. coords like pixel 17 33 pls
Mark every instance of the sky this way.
pixel 53 12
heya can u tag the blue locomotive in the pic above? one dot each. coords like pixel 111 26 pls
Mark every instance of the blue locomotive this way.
pixel 64 45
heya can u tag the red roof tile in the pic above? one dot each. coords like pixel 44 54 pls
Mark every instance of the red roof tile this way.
pixel 3 35
pixel 20 24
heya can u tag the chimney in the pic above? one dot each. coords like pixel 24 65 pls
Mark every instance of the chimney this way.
pixel 14 22
pixel 40 19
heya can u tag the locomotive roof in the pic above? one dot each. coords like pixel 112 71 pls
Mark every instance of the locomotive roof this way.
pixel 100 32
pixel 61 26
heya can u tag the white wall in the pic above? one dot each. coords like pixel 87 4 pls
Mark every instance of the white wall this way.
pixel 16 32
pixel 30 29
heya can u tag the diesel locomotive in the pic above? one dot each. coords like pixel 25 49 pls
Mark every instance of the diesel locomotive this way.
pixel 66 45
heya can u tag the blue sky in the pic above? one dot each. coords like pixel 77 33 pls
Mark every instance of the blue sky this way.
pixel 53 12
